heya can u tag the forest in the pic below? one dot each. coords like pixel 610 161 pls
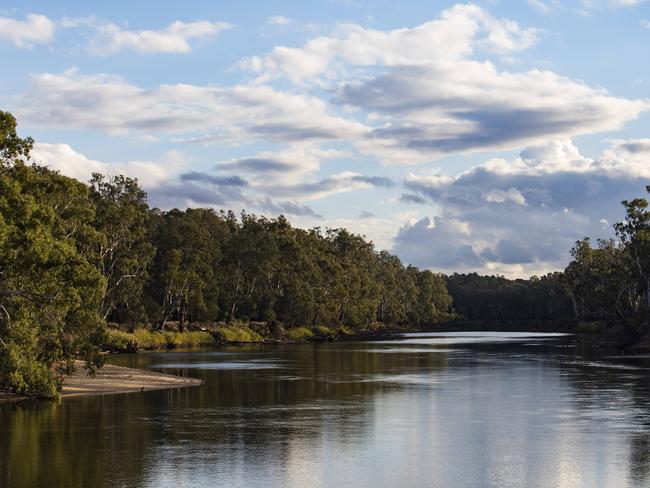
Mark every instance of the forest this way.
pixel 77 256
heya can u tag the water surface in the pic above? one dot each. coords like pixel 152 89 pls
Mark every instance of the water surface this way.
pixel 437 410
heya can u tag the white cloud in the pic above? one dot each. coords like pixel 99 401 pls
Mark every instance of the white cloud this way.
pixel 35 29
pixel 466 106
pixel 110 38
pixel 521 217
pixel 547 6
pixel 211 114
pixel 456 34
pixel 279 20
pixel 290 165
pixel 63 158
pixel 427 91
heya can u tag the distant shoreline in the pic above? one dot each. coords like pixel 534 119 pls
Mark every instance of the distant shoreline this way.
pixel 110 380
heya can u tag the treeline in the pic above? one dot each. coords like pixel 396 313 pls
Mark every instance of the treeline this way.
pixel 608 281
pixel 612 279
pixel 496 298
pixel 75 256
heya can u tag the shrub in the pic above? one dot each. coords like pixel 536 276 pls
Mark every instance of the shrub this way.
pixel 343 330
pixel 119 341
pixel 238 334
pixel 322 331
pixel 299 334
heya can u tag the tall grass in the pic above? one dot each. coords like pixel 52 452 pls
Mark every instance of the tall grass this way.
pixel 119 341
pixel 238 334
pixel 299 334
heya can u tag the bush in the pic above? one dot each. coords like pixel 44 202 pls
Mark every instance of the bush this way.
pixel 322 331
pixel 343 330
pixel 238 334
pixel 145 339
pixel 299 334
pixel 118 341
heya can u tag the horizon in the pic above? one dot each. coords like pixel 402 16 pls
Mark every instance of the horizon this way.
pixel 463 138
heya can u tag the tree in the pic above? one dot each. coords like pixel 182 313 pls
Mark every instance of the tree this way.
pixel 50 288
pixel 124 249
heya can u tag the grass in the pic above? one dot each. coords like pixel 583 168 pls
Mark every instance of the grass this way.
pixel 322 331
pixel 119 341
pixel 233 333
pixel 299 334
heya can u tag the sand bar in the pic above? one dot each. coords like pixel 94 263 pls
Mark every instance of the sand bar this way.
pixel 111 379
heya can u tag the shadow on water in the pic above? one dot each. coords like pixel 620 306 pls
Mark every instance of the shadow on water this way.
pixel 429 410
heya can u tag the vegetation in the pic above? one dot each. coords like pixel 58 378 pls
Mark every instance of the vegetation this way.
pixel 497 298
pixel 605 283
pixel 74 256
pixel 299 334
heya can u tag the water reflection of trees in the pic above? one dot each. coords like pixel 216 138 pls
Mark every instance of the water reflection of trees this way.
pixel 256 417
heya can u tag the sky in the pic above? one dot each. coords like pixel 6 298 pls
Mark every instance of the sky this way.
pixel 486 136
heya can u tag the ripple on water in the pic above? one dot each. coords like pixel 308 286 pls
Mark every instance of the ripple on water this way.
pixel 253 364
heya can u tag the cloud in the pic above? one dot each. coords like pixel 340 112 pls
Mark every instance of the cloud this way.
pixel 286 208
pixel 63 158
pixel 289 165
pixel 35 29
pixel 522 217
pixel 338 183
pixel 213 180
pixel 279 20
pixel 429 91
pixel 109 38
pixel 217 114
pixel 456 34
pixel 430 111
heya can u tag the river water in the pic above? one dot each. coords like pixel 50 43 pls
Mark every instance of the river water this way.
pixel 437 410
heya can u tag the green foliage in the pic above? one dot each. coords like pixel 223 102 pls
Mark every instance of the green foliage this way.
pixel 299 334
pixel 50 288
pixel 118 341
pixel 73 256
pixel 170 340
pixel 497 298
pixel 322 331
pixel 344 331
pixel 124 250
pixel 238 334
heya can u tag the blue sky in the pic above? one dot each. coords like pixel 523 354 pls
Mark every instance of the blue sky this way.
pixel 484 136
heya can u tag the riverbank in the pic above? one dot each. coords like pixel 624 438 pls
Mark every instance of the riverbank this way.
pixel 110 380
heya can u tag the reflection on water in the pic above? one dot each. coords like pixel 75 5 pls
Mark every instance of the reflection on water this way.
pixel 447 410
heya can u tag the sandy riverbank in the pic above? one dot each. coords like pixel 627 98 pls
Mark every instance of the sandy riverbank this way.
pixel 112 379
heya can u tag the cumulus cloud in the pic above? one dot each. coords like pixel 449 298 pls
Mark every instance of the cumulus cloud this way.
pixel 63 158
pixel 290 165
pixel 230 114
pixel 456 34
pixel 467 106
pixel 338 183
pixel 109 38
pixel 521 217
pixel 279 20
pixel 428 91
pixel 35 29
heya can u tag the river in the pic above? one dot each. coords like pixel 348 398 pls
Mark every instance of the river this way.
pixel 437 410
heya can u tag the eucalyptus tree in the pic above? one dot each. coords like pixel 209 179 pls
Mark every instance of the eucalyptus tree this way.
pixel 124 249
pixel 50 287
